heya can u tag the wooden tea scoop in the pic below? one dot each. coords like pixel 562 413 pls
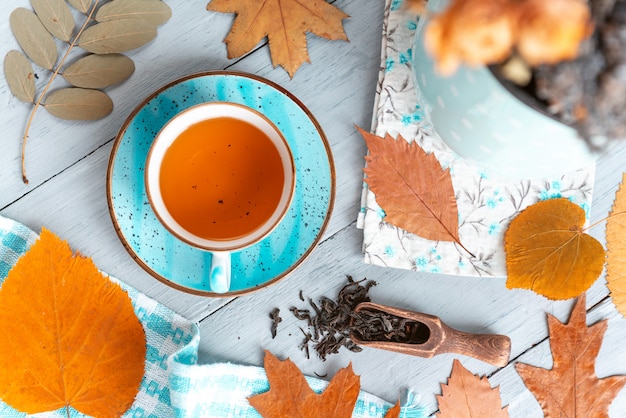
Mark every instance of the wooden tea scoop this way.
pixel 426 336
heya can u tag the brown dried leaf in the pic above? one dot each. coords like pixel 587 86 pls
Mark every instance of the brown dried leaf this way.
pixel 20 76
pixel 291 396
pixel 571 388
pixel 548 252
pixel 616 249
pixel 56 17
pixel 116 36
pixel 70 336
pixel 78 104
pixel 81 5
pixel 155 12
pixel 33 37
pixel 467 395
pixel 284 22
pixel 412 188
pixel 394 411
pixel 99 71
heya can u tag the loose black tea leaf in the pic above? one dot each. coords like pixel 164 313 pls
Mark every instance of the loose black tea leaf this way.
pixel 329 324
pixel 275 317
pixel 375 325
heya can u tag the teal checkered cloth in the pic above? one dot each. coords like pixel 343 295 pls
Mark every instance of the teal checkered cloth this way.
pixel 174 385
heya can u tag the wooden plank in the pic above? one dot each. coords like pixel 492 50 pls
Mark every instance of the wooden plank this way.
pixel 241 330
pixel 67 163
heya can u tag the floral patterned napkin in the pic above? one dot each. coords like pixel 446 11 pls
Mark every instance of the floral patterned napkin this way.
pixel 486 201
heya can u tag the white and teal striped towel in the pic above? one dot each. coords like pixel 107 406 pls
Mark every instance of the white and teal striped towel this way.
pixel 174 385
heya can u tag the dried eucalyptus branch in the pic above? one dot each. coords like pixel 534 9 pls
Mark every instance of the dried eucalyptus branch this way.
pixel 47 87
pixel 108 30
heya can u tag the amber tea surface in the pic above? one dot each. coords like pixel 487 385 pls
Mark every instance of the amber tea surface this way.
pixel 222 178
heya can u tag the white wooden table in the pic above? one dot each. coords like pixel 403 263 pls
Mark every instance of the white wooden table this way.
pixel 67 165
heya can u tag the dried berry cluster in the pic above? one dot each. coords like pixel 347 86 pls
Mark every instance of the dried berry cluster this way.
pixel 329 323
pixel 590 91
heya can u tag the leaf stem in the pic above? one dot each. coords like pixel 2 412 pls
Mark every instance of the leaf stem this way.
pixel 603 220
pixel 47 87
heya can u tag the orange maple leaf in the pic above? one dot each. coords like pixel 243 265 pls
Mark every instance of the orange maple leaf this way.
pixel 284 22
pixel 548 252
pixel 571 388
pixel 291 396
pixel 467 395
pixel 70 336
pixel 616 249
pixel 412 188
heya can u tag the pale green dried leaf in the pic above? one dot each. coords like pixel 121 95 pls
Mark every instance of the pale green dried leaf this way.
pixel 99 71
pixel 155 12
pixel 56 17
pixel 33 37
pixel 117 36
pixel 20 76
pixel 81 5
pixel 78 104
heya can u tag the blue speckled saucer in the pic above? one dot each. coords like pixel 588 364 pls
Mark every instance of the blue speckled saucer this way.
pixel 175 262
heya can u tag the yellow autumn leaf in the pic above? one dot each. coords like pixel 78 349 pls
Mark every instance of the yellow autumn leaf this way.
pixel 548 252
pixel 616 249
pixel 70 336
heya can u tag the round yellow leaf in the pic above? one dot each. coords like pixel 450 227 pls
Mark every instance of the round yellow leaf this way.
pixel 548 252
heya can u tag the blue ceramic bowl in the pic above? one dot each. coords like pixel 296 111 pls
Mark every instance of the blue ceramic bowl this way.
pixel 483 122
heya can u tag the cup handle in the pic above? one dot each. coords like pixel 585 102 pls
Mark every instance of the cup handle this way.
pixel 219 276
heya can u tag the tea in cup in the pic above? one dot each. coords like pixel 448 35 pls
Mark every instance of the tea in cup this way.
pixel 220 177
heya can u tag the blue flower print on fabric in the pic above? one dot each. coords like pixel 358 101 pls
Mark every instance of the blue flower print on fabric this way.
pixel 381 213
pixel 390 251
pixel 421 263
pixel 406 57
pixel 396 4
pixel 493 201
pixel 414 117
pixel 389 63
pixel 552 190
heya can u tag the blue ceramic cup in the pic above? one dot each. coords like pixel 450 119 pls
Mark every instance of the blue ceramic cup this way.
pixel 221 248
pixel 483 122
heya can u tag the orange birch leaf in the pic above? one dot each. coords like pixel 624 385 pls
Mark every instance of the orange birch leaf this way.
pixel 467 395
pixel 616 249
pixel 412 188
pixel 571 388
pixel 291 396
pixel 548 252
pixel 70 336
pixel 284 22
